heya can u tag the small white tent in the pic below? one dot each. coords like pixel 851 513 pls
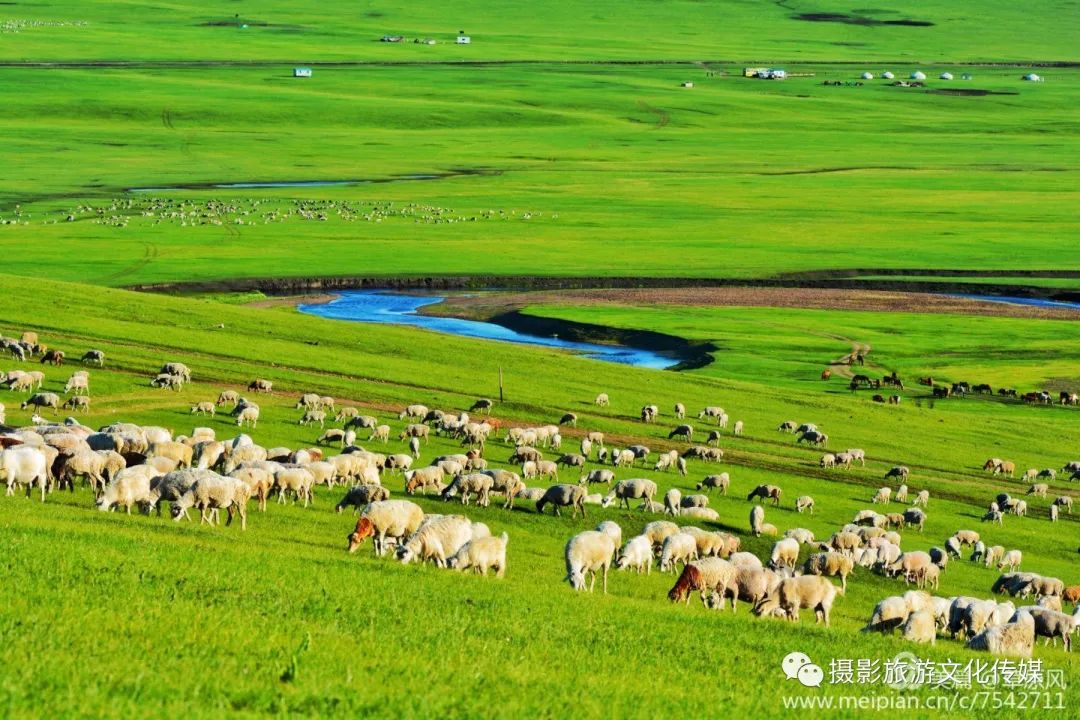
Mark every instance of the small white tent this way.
pixel 1032 77
pixel 945 76
pixel 918 75
pixel 887 75
pixel 867 76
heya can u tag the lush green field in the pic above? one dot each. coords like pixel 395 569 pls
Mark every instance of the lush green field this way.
pixel 790 348
pixel 685 30
pixel 215 616
pixel 1042 282
pixel 570 171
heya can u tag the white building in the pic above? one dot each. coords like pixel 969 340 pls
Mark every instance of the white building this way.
pixel 301 72
pixel 463 40
pixel 918 75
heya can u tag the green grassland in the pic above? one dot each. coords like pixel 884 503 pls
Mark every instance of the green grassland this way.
pixel 1041 282
pixel 344 31
pixel 620 171
pixel 215 616
pixel 789 348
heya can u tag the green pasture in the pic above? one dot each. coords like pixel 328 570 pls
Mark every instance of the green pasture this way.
pixel 337 31
pixel 217 616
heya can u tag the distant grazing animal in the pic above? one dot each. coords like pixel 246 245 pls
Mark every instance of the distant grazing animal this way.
pixel 762 492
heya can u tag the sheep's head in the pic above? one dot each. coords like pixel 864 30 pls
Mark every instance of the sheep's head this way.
pixel 364 529
pixel 576 578
pixel 404 554
pixel 608 499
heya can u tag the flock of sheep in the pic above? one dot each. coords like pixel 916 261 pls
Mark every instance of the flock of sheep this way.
pixel 128 466
pixel 241 212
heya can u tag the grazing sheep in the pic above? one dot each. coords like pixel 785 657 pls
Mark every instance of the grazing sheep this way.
pixel 804 502
pixel 482 554
pixel 436 541
pixel 1015 639
pixel 249 415
pixel 96 357
pixel 565 496
pixel 597 477
pixel 24 465
pixel 785 553
pixel 42 400
pixel 882 496
pixel 1038 489
pixel 845 542
pixel 430 477
pixel 804 536
pixel 212 492
pixel 627 490
pixel 712 577
pixel 415 430
pixel 586 553
pixel 1011 560
pixel 699 513
pixel 828 460
pixel 757 517
pixel 131 486
pixel 915 518
pixel 673 501
pixel 479 484
pixel 1049 624
pixel 806 591
pixel 787 426
pixel 720 482
pixel 1064 501
pixel 395 519
pixel 888 614
pixel 203 408
pixel 658 531
pixel 636 555
pixel 297 480
pixel 832 564
pixel 921 627
pixel 761 492
pixel 602 400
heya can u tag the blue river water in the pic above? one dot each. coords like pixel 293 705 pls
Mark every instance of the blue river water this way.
pixel 376 306
pixel 1038 302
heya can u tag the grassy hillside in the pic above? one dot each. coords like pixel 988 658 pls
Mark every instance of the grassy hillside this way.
pixel 544 170
pixel 361 635
pixel 343 31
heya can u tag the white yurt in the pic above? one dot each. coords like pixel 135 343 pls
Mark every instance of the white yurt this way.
pixel 918 75
pixel 945 76
pixel 1032 77
pixel 887 75
pixel 867 76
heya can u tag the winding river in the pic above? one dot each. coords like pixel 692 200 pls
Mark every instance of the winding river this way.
pixel 376 306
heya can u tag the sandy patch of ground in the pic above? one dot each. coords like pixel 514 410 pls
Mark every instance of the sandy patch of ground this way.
pixel 293 300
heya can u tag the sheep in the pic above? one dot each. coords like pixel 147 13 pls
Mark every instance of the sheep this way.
pixel 586 553
pixel 602 400
pixel 1049 624
pixel 806 591
pixel 888 614
pixel 882 496
pixel 804 502
pixel 802 535
pixel 415 412
pixel 381 433
pixel 695 501
pixel 249 415
pixel 761 492
pixel 479 484
pixel 90 465
pixel 787 426
pixel 1014 639
pixel 24 465
pixel 915 518
pixel 395 519
pixel 436 541
pixel 832 564
pixel 203 408
pixel 212 492
pixel 658 531
pixel 683 432
pixel 757 517
pixel 678 547
pixel 921 499
pixel 828 460
pixel 636 555
pixel 673 501
pixel 712 577
pixel 424 478
pixel 482 554
pixel 1064 501
pixel 720 482
pixel 131 486
pixel 785 553
pixel 921 627
pixel 626 490
pixel 77 402
pixel 415 430
pixel 597 476
pixel 79 383
pixel 700 513
pixel 1011 560
pixel 42 400
pixel 228 396
pixel 565 496
pixel 845 542
pixel 96 357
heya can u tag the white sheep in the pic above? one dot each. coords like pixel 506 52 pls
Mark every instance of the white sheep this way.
pixel 436 541
pixel 482 554
pixel 586 553
pixel 384 519
pixel 921 627
pixel 636 554
pixel 680 547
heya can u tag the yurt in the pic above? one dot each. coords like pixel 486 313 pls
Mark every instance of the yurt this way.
pixel 1032 77
pixel 918 75
pixel 867 76
pixel 945 76
pixel 887 75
